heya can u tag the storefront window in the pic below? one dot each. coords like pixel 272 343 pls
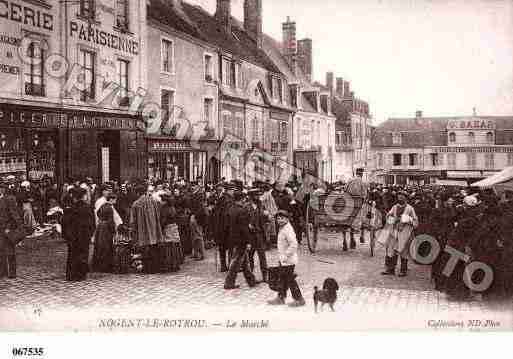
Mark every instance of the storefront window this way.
pixel 12 153
pixel 42 161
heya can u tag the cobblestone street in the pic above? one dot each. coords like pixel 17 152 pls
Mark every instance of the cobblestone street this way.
pixel 197 286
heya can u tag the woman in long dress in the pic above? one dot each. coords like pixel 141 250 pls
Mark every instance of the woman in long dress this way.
pixel 77 229
pixel 168 220
pixel 108 221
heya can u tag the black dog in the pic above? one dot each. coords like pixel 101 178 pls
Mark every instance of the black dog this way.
pixel 328 294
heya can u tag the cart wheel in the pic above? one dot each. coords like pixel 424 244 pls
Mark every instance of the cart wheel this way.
pixel 311 232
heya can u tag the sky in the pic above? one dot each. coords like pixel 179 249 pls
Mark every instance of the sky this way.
pixel 443 57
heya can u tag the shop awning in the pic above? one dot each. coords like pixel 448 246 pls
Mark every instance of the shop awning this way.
pixel 503 179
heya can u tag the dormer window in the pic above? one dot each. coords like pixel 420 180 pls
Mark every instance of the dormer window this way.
pixel 293 95
pixel 489 137
pixel 277 88
pixel 452 137
pixel 87 9
pixel 122 14
pixel 396 138
pixel 471 137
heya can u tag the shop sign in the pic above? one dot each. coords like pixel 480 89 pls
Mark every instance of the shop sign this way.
pixel 24 14
pixel 471 124
pixel 10 40
pixel 282 116
pixel 10 70
pixel 39 118
pixel 90 33
pixel 169 146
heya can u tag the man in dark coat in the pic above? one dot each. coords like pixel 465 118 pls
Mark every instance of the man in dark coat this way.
pixel 257 230
pixel 78 226
pixel 239 237
pixel 10 220
pixel 220 223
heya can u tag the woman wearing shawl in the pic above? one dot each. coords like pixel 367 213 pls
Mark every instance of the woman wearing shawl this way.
pixel 108 222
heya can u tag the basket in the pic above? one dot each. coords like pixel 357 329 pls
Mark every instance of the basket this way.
pixel 122 261
pixel 274 278
pixel 167 257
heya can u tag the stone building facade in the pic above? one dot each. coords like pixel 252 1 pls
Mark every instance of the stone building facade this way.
pixel 313 125
pixel 68 103
pixel 450 150
pixel 183 81
pixel 252 127
pixel 353 131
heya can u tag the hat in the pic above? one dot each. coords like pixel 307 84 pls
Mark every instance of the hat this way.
pixel 282 213
pixel 106 187
pixel 470 201
pixel 234 185
pixel 255 192
pixel 78 193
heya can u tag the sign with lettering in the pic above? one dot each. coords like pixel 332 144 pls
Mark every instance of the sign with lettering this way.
pixel 36 118
pixel 10 70
pixel 471 124
pixel 24 14
pixel 91 33
pixel 10 40
pixel 165 145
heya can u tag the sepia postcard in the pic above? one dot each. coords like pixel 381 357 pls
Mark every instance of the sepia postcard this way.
pixel 252 166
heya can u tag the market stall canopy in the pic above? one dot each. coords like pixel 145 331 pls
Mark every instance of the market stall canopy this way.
pixel 503 179
pixel 457 183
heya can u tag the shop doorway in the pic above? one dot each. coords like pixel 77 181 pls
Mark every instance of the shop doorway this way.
pixel 213 170
pixel 109 155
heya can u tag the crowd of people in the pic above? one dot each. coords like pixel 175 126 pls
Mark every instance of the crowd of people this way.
pixel 152 226
pixel 476 222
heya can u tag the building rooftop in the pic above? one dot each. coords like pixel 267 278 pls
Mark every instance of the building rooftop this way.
pixel 197 22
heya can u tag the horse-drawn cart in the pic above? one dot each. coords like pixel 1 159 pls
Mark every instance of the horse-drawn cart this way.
pixel 338 212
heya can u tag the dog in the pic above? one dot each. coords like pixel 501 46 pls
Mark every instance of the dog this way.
pixel 328 294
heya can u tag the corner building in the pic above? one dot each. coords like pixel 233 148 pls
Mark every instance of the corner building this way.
pixel 68 109
pixel 444 150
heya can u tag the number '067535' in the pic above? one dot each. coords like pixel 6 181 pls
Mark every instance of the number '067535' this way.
pixel 27 351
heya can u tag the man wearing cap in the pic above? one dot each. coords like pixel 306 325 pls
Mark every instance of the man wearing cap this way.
pixel 258 218
pixel 10 220
pixel 238 238
pixel 288 258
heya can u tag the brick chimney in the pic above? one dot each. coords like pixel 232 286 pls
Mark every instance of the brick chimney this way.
pixel 289 45
pixel 340 87
pixel 347 89
pixel 330 81
pixel 305 61
pixel 223 13
pixel 253 20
